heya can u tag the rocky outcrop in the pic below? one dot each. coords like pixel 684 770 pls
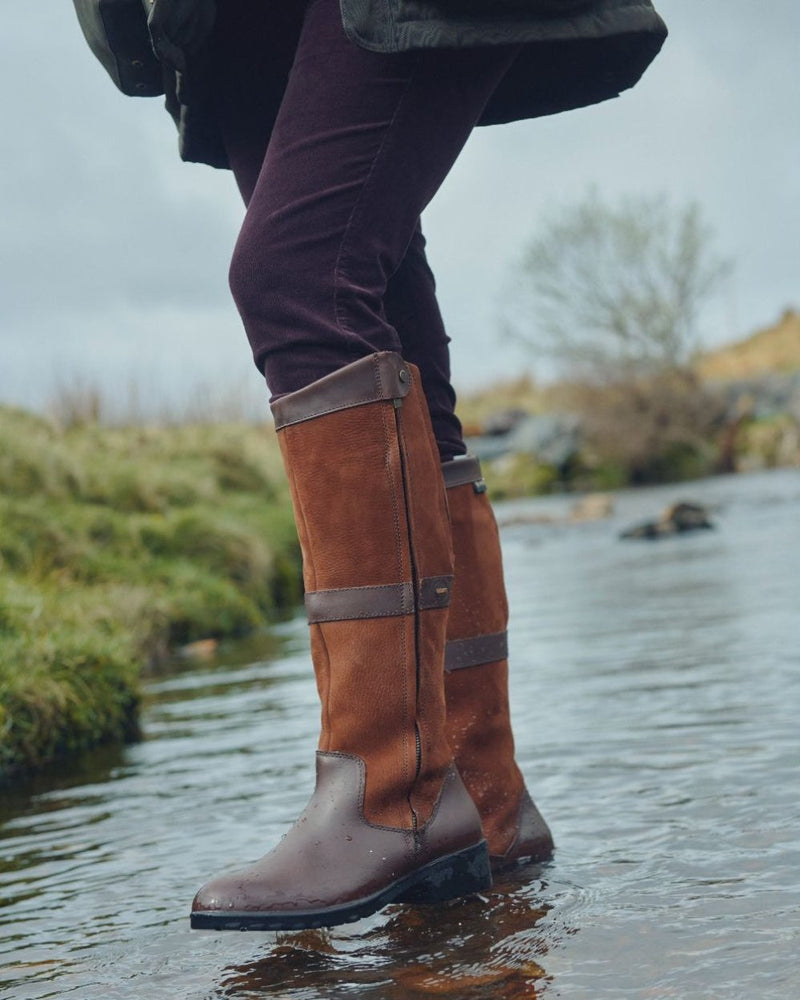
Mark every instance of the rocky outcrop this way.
pixel 552 439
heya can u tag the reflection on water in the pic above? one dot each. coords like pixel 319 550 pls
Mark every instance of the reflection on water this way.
pixel 656 697
pixel 484 946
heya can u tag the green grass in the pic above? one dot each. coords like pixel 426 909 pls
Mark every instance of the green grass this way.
pixel 116 545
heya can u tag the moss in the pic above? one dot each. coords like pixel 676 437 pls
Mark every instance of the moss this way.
pixel 115 545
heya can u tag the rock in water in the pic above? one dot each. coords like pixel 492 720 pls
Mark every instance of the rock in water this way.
pixel 675 520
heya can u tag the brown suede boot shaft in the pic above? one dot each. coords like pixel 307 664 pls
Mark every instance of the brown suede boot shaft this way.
pixel 377 561
pixel 476 681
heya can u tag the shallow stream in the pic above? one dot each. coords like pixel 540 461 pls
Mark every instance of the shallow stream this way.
pixel 656 692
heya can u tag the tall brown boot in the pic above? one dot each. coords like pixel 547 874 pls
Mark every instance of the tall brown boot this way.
pixel 476 678
pixel 390 819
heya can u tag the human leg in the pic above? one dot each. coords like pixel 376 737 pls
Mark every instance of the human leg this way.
pixel 413 310
pixel 478 726
pixel 476 678
pixel 248 79
pixel 361 144
pixel 251 51
pixel 326 227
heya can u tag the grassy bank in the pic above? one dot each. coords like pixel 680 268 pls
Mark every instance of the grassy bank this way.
pixel 116 545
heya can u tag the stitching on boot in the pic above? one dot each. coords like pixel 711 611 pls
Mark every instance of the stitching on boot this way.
pixel 407 832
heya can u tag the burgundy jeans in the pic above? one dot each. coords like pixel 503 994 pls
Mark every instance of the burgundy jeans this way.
pixel 330 263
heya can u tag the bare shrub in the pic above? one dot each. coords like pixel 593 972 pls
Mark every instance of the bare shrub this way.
pixel 610 292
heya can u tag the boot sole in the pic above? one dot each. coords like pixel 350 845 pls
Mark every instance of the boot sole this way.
pixel 528 859
pixel 455 875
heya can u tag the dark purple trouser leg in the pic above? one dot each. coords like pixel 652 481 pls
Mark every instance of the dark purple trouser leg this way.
pixel 330 256
pixel 412 308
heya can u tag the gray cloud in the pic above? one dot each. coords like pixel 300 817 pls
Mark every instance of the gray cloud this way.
pixel 114 255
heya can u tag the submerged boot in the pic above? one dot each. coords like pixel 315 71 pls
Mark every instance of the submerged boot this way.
pixel 476 678
pixel 390 820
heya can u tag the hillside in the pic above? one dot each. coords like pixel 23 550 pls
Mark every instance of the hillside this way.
pixel 774 349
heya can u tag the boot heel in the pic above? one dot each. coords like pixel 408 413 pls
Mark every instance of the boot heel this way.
pixel 456 875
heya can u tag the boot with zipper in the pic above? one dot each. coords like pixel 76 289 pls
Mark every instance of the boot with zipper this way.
pixel 476 677
pixel 390 819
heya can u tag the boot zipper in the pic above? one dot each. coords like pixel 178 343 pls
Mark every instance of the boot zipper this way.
pixel 415 585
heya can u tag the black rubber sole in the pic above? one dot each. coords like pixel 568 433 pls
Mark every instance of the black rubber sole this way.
pixel 456 875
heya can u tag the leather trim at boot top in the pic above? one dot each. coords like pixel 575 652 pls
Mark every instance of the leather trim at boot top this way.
pixel 381 601
pixel 460 471
pixel 376 377
pixel 475 651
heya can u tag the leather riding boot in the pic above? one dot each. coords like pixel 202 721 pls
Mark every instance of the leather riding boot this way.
pixel 476 678
pixel 390 820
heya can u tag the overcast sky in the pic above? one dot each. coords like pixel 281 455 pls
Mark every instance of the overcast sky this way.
pixel 114 254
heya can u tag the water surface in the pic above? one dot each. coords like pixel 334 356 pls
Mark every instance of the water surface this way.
pixel 656 691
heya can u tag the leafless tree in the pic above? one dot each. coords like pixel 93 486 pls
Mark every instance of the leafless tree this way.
pixel 611 292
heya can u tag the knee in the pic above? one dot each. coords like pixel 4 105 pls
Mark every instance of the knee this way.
pixel 274 279
pixel 251 275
